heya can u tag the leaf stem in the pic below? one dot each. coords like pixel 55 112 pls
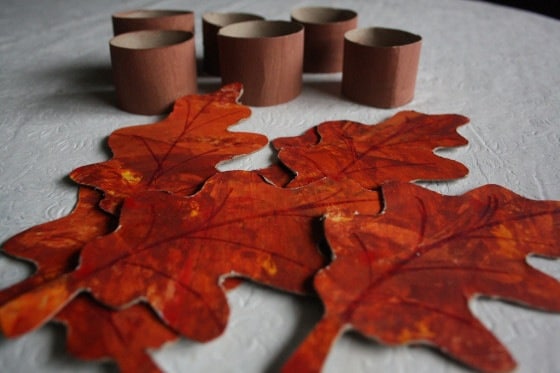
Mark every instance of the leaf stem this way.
pixel 312 353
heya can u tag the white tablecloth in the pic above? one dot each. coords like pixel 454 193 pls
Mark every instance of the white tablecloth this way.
pixel 498 66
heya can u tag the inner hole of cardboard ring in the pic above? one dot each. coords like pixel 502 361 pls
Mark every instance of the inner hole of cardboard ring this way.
pixel 150 39
pixel 224 19
pixel 146 13
pixel 381 37
pixel 260 29
pixel 322 15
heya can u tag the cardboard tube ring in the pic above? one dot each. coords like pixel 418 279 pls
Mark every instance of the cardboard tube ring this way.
pixel 380 66
pixel 266 57
pixel 146 19
pixel 324 36
pixel 152 68
pixel 212 22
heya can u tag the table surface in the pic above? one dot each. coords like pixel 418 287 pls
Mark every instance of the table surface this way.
pixel 496 65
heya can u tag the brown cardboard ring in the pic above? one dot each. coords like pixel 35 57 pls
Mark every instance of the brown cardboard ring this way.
pixel 260 29
pixel 266 57
pixel 324 36
pixel 152 68
pixel 380 66
pixel 148 19
pixel 322 15
pixel 212 22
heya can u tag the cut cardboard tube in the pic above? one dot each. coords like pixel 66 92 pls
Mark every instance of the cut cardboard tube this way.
pixel 324 36
pixel 266 57
pixel 380 66
pixel 212 22
pixel 152 68
pixel 146 19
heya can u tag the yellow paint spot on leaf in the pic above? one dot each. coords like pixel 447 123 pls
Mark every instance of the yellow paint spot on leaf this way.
pixel 195 209
pixel 269 266
pixel 420 330
pixel 338 216
pixel 130 177
pixel 506 242
pixel 502 232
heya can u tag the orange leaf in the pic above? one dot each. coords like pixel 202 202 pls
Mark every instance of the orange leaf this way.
pixel 96 332
pixel 276 174
pixel 176 154
pixel 406 275
pixel 54 247
pixel 175 252
pixel 399 149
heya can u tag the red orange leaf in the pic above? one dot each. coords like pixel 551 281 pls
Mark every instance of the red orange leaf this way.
pixel 54 247
pixel 400 148
pixel 309 137
pixel 97 332
pixel 176 154
pixel 406 275
pixel 277 174
pixel 175 251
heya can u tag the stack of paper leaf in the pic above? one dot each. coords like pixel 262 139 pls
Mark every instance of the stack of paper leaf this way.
pixel 157 231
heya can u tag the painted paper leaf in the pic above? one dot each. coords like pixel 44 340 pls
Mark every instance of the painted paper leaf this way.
pixel 400 148
pixel 176 154
pixel 278 173
pixel 174 251
pixel 54 247
pixel 95 332
pixel 406 275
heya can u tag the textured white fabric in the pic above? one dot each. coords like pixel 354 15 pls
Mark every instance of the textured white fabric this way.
pixel 498 66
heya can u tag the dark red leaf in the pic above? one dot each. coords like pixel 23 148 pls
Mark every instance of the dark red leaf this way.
pixel 175 155
pixel 54 247
pixel 175 252
pixel 398 149
pixel 96 332
pixel 406 275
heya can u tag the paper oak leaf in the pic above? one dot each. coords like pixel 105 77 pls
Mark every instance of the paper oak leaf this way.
pixel 276 174
pixel 95 332
pixel 406 275
pixel 176 154
pixel 174 251
pixel 54 247
pixel 400 148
